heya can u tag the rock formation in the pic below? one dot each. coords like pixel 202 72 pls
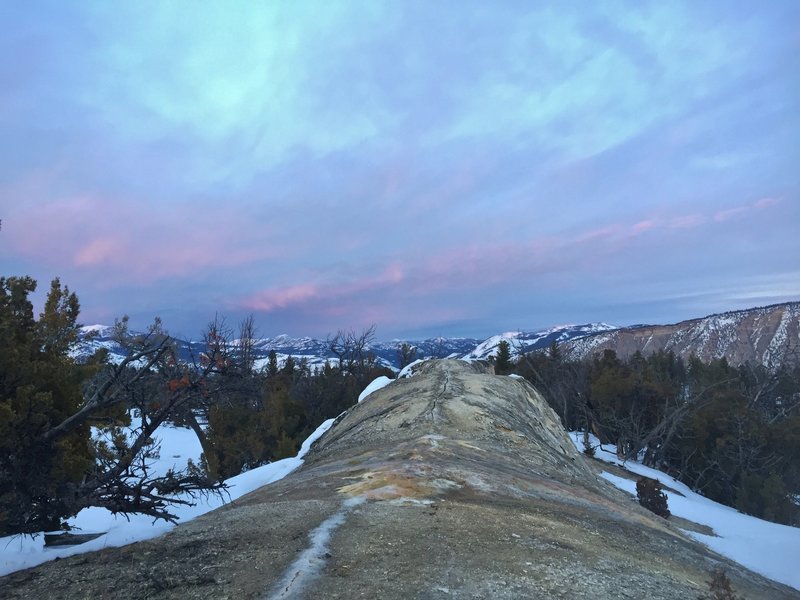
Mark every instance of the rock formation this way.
pixel 454 483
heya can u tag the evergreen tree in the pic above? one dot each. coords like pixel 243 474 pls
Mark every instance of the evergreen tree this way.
pixel 288 366
pixel 272 364
pixel 406 353
pixel 40 386
pixel 50 466
pixel 554 352
pixel 502 359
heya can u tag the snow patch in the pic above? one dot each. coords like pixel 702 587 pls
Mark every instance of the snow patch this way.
pixel 21 552
pixel 377 383
pixel 408 370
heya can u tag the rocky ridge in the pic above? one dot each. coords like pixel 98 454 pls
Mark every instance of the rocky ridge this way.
pixel 454 483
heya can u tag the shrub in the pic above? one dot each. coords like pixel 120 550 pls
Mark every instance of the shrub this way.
pixel 719 587
pixel 588 449
pixel 652 497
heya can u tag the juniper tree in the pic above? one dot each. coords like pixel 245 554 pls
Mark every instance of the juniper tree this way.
pixel 272 364
pixel 50 465
pixel 40 387
pixel 502 359
pixel 406 353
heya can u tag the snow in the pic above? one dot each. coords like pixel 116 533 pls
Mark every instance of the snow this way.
pixel 310 562
pixel 408 370
pixel 176 446
pixel 86 329
pixel 488 347
pixel 764 547
pixel 378 383
pixel 21 552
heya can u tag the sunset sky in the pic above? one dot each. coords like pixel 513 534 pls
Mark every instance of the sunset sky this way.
pixel 434 168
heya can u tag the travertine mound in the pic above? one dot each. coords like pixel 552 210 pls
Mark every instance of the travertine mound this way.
pixel 455 483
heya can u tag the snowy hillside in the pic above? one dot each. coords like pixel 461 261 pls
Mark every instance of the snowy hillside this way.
pixel 764 547
pixel 768 335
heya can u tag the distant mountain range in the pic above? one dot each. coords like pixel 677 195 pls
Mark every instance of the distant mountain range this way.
pixel 316 351
pixel 768 335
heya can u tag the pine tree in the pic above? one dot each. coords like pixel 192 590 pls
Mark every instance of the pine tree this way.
pixel 502 359
pixel 40 386
pixel 288 366
pixel 272 364
pixel 406 353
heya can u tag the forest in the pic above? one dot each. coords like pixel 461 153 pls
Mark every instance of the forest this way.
pixel 733 433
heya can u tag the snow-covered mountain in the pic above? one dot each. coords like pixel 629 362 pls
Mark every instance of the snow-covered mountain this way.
pixel 316 351
pixel 521 342
pixel 768 335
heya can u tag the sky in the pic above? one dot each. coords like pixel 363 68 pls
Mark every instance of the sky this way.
pixel 433 168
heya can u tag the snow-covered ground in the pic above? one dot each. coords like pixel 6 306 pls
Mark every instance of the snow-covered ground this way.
pixel 177 446
pixel 764 547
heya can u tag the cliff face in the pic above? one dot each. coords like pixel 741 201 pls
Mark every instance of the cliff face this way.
pixel 768 336
pixel 455 483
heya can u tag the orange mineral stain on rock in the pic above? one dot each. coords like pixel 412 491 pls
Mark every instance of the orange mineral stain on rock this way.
pixel 392 484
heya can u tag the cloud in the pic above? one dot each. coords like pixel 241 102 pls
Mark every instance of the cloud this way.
pixel 766 203
pixel 477 268
pixel 270 300
pixel 687 221
pixel 329 161
pixel 738 211
pixel 118 240
pixel 643 226
pixel 729 213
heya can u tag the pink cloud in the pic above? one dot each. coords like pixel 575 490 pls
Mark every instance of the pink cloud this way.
pixel 697 219
pixel 724 215
pixel 270 300
pixel 97 251
pixel 766 202
pixel 479 265
pixel 643 226
pixel 598 233
pixel 687 221
pixel 394 273
pixel 274 299
pixel 119 239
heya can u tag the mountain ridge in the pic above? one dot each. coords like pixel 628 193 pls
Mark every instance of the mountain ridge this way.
pixel 316 351
pixel 767 335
